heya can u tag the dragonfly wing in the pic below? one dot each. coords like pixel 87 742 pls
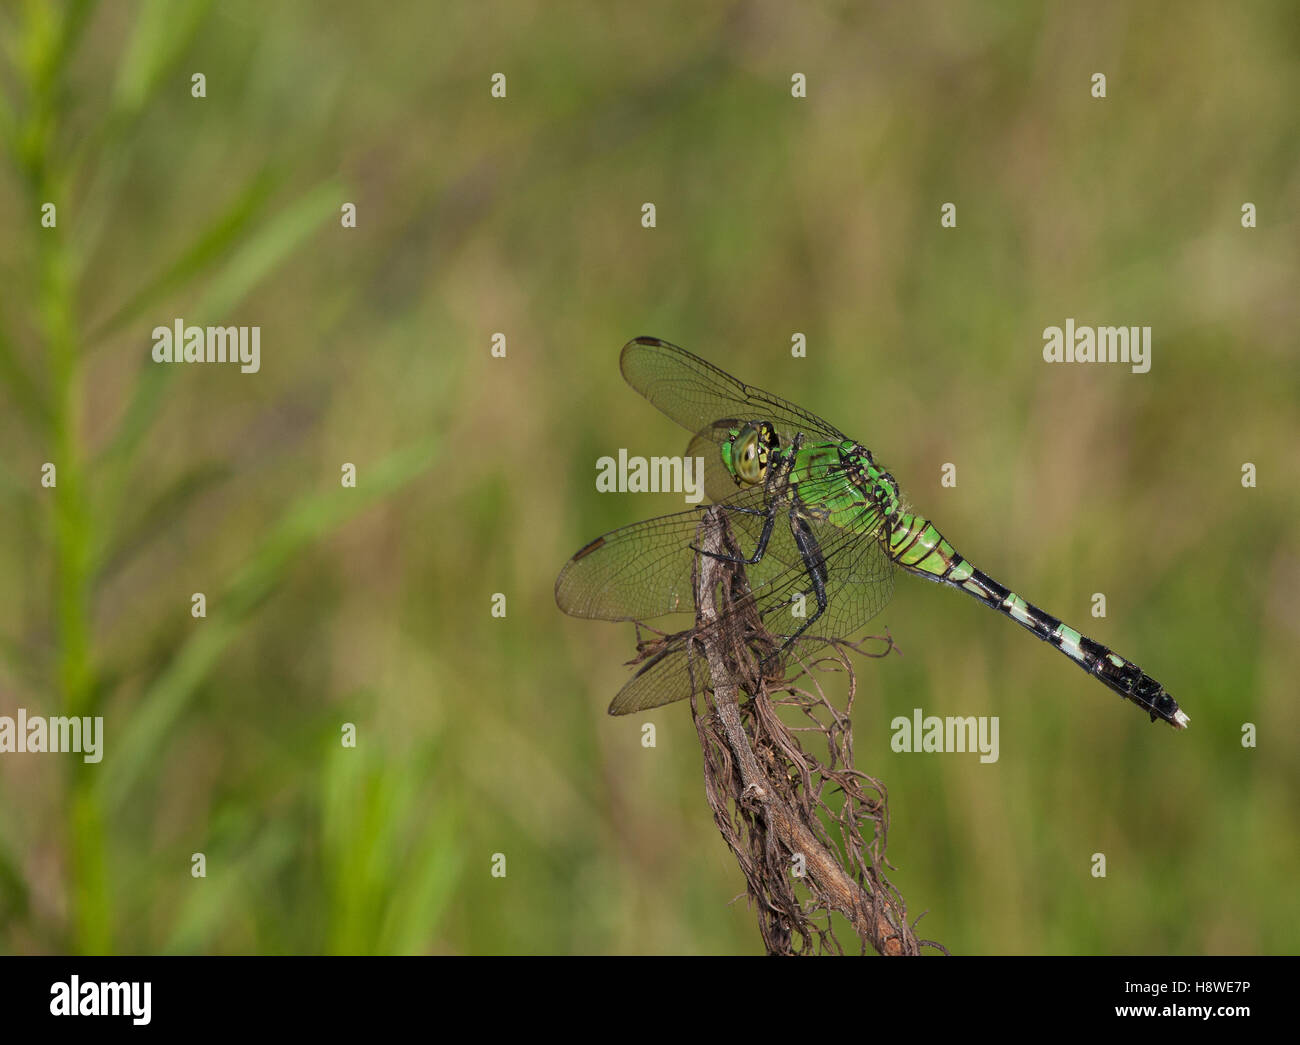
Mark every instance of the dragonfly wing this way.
pixel 636 572
pixel 644 570
pixel 672 674
pixel 859 583
pixel 697 394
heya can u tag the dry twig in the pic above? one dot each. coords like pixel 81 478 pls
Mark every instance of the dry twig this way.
pixel 771 799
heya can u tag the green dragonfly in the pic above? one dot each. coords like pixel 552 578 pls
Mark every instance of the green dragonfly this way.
pixel 824 527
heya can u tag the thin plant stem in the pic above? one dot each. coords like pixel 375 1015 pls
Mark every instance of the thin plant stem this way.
pixel 90 917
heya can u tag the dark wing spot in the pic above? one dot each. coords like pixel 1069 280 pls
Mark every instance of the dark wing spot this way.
pixel 588 549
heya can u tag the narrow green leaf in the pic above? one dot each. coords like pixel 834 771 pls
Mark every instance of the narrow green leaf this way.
pixel 21 662
pixel 245 865
pixel 207 247
pixel 312 518
pixel 427 885
pixel 23 391
pixel 8 120
pixel 76 17
pixel 153 517
pixel 161 33
pixel 242 271
pixel 267 248
pixel 15 901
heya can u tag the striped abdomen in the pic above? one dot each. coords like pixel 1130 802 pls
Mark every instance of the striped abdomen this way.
pixel 916 546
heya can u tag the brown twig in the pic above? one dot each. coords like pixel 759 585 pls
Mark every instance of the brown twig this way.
pixel 776 805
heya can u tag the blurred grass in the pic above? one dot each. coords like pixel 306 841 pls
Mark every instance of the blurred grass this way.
pixel 243 256
pixel 480 735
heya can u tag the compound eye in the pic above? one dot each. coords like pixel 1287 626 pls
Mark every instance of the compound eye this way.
pixel 748 456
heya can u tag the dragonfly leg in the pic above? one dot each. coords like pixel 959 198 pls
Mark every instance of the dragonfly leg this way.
pixel 809 547
pixel 764 536
pixel 777 475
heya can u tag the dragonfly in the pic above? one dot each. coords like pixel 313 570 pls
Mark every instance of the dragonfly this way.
pixel 816 523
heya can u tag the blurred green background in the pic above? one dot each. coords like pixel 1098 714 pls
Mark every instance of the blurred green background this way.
pixel 479 735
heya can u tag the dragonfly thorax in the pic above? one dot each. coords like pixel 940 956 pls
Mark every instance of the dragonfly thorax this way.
pixel 876 484
pixel 886 493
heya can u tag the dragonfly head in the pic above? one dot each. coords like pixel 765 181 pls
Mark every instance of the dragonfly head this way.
pixel 745 451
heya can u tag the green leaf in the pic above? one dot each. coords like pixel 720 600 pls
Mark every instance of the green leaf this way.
pixel 237 867
pixel 312 518
pixel 21 662
pixel 265 249
pixel 427 884
pixel 268 247
pixel 23 391
pixel 153 517
pixel 207 247
pixel 15 900
pixel 162 31
pixel 8 120
pixel 391 858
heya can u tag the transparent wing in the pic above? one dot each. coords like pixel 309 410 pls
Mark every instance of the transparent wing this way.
pixel 697 394
pixel 860 581
pixel 645 570
pixel 642 571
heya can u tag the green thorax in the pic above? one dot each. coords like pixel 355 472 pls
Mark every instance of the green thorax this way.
pixel 840 483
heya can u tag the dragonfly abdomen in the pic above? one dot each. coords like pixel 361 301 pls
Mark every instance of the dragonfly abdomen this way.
pixel 918 547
